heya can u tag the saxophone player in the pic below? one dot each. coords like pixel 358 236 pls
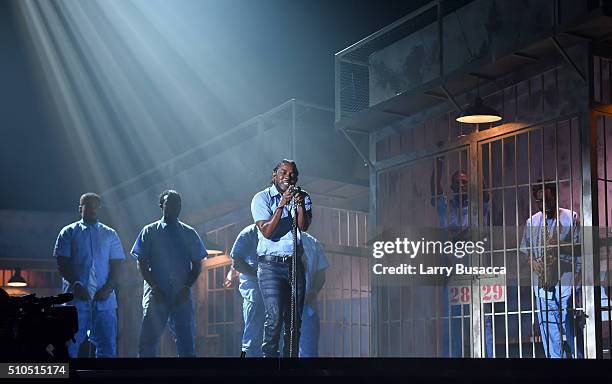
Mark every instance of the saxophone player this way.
pixel 550 242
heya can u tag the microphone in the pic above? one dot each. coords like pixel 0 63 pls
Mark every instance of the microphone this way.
pixel 295 190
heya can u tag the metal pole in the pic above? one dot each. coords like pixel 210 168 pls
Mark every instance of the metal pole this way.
pixel 441 40
pixel 374 280
pixel 518 259
pixel 592 297
pixel 293 129
pixel 337 90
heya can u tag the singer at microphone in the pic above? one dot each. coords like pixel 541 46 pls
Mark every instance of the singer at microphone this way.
pixel 273 215
pixel 295 191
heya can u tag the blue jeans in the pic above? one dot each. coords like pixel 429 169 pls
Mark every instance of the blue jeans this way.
pixel 309 338
pixel 182 325
pixel 254 314
pixel 275 285
pixel 102 325
pixel 555 316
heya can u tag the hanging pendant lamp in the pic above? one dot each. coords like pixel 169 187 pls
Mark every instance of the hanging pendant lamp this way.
pixel 17 280
pixel 479 113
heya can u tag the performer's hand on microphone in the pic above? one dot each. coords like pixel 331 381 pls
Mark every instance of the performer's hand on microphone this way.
pixel 286 198
pixel 299 199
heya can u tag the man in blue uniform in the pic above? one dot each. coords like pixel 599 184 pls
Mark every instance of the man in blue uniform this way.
pixel 316 264
pixel 89 255
pixel 244 256
pixel 549 242
pixel 273 217
pixel 169 255
pixel 454 214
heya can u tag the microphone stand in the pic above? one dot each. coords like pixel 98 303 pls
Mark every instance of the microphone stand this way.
pixel 294 320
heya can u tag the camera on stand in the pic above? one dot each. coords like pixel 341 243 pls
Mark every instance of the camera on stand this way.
pixel 36 328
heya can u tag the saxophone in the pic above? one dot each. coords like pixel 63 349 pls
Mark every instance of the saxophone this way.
pixel 548 277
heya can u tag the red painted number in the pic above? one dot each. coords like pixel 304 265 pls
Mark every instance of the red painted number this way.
pixel 454 295
pixel 486 293
pixel 465 295
pixel 498 292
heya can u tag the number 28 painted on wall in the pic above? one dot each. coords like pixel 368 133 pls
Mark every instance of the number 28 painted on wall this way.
pixel 489 293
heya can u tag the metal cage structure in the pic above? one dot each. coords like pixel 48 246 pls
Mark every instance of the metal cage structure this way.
pixel 405 85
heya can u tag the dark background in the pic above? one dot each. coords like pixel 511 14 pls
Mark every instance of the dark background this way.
pixel 282 49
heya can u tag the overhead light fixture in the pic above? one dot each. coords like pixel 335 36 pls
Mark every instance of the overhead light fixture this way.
pixel 17 280
pixel 479 113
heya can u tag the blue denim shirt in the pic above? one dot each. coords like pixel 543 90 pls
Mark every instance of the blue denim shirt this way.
pixel 245 248
pixel 453 214
pixel 90 247
pixel 169 249
pixel 262 207
pixel 316 262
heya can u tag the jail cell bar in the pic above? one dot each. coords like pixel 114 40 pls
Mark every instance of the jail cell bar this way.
pixel 604 184
pixel 415 317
